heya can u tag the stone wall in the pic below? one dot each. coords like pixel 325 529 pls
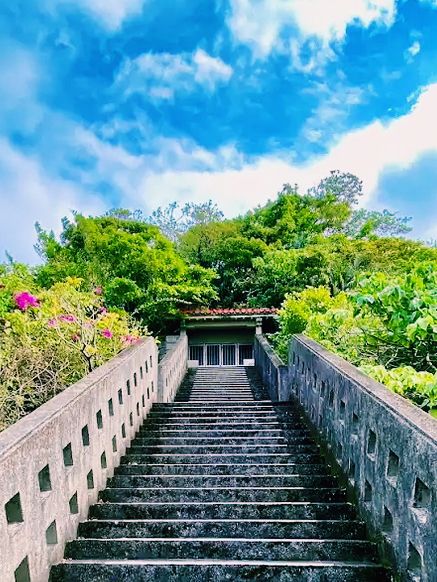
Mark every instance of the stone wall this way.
pixel 272 369
pixel 385 447
pixel 54 461
pixel 172 369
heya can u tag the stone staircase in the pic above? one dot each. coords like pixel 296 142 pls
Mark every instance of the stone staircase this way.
pixel 222 485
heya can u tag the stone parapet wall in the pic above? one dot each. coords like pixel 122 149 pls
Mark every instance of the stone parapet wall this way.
pixel 54 461
pixel 172 369
pixel 272 369
pixel 386 446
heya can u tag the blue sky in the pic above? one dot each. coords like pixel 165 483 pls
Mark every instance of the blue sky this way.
pixel 136 103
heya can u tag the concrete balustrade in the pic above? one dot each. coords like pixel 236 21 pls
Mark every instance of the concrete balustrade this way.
pixel 172 369
pixel 54 461
pixel 385 446
pixel 271 368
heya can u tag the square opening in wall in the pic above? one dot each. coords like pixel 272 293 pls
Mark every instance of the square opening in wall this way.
pixel 99 419
pixel 22 573
pixel 74 505
pixel 422 494
pixel 52 534
pixel 371 443
pixel 367 492
pixel 387 524
pixel 414 562
pixel 14 512
pixel 85 436
pixel 44 481
pixel 67 454
pixel 392 467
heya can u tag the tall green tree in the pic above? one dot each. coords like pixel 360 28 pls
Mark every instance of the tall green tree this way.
pixel 137 267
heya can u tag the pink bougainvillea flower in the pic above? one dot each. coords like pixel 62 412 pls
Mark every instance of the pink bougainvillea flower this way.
pixel 103 311
pixel 75 337
pixel 98 290
pixel 67 318
pixel 107 333
pixel 24 300
pixel 53 322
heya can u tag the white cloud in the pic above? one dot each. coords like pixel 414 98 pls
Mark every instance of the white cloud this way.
pixel 162 75
pixel 109 13
pixel 19 81
pixel 367 152
pixel 413 51
pixel 270 25
pixel 27 195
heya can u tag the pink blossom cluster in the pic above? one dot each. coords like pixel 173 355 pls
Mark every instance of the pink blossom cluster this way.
pixel 107 333
pixel 24 300
pixel 65 318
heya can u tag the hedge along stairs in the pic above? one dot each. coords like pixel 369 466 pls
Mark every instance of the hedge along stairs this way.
pixel 221 485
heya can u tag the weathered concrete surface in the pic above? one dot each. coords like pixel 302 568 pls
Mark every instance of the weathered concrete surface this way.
pixel 172 369
pixel 271 368
pixel 38 441
pixel 386 446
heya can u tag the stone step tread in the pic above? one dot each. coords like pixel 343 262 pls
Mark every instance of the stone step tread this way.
pixel 140 548
pixel 228 528
pixel 207 562
pixel 223 469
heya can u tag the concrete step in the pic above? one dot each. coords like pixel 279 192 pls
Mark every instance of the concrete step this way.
pixel 210 449
pixel 199 494
pixel 204 414
pixel 221 548
pixel 266 480
pixel 206 570
pixel 174 441
pixel 255 458
pixel 234 406
pixel 231 528
pixel 231 469
pixel 223 510
pixel 231 424
pixel 164 432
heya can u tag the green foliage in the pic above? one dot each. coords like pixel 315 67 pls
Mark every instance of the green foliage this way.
pixel 174 219
pixel 419 387
pixel 406 307
pixel 293 220
pixel 387 325
pixel 297 310
pixel 221 246
pixel 138 268
pixel 54 342
pixel 345 186
pixel 367 223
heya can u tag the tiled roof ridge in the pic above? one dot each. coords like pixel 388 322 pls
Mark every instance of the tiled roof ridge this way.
pixel 230 311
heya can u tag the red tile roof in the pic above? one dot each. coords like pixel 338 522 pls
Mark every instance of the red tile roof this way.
pixel 230 311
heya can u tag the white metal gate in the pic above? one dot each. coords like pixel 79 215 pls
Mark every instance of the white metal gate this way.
pixel 221 354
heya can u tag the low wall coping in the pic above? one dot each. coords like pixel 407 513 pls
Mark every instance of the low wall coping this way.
pixel 25 428
pixel 398 405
